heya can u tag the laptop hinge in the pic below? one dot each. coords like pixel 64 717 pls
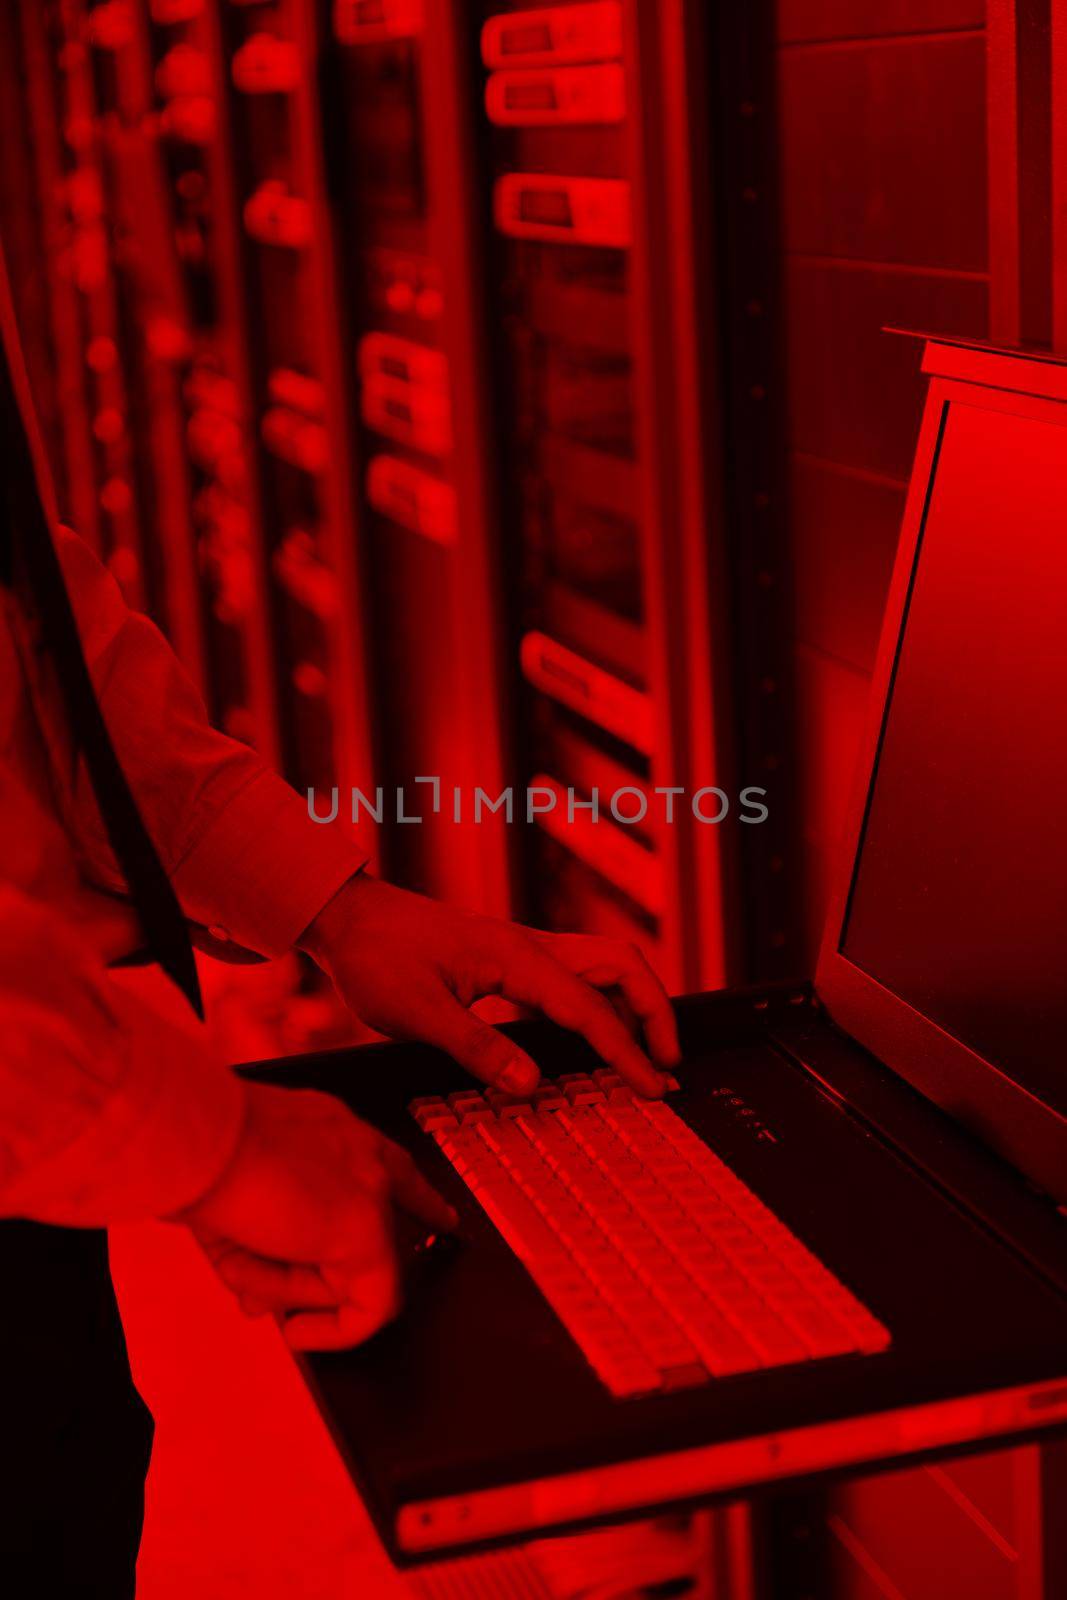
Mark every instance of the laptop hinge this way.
pixel 975 1178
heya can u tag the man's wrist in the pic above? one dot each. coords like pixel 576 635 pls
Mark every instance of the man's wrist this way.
pixel 190 1213
pixel 335 919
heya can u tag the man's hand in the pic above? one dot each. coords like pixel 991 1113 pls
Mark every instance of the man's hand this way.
pixel 299 1224
pixel 412 967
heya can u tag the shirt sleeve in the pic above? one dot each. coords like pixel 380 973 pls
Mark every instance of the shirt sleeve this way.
pixel 245 857
pixel 113 1106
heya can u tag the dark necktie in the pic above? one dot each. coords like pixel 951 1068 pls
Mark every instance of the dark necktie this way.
pixel 26 547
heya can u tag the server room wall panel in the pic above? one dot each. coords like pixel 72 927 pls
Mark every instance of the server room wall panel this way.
pixel 906 248
pixel 855 393
pixel 845 527
pixel 854 402
pixel 806 20
pixel 841 106
pixel 832 701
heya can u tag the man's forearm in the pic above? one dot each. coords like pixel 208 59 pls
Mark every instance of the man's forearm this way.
pixel 112 1104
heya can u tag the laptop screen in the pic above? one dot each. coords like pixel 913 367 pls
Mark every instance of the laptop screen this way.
pixel 958 903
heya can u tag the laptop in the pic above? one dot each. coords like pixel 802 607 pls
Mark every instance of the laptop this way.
pixel 840 1240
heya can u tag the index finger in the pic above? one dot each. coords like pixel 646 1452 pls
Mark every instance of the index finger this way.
pixel 537 979
pixel 619 965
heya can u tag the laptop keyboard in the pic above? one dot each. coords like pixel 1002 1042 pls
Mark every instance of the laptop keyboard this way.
pixel 662 1265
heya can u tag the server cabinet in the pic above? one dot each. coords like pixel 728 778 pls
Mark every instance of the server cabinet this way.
pixel 601 310
pixel 152 324
pixel 264 61
pixel 80 270
pixel 127 162
pixel 397 129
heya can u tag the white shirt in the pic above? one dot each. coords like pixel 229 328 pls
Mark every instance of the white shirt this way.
pixel 113 1104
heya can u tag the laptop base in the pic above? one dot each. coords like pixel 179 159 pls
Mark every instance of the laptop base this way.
pixel 475 1418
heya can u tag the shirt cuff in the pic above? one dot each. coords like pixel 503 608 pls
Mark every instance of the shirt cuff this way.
pixel 264 870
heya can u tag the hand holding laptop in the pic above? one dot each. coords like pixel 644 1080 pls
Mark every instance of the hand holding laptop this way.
pixel 300 1222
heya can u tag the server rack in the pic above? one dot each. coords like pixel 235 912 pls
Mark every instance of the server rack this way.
pixel 590 174
pixel 82 293
pixel 124 141
pixel 294 393
pixel 36 242
pixel 394 104
pixel 151 321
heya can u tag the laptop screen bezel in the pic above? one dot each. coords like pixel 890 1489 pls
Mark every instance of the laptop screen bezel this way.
pixel 1025 1130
